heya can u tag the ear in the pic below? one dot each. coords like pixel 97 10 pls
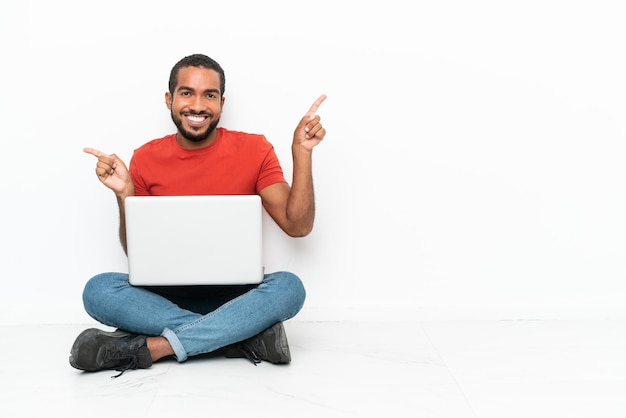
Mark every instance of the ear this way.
pixel 168 100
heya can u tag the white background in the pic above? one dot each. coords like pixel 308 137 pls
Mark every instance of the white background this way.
pixel 473 166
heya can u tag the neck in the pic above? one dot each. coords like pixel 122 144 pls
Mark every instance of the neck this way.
pixel 188 144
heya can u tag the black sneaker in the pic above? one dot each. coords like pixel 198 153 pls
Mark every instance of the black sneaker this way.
pixel 270 345
pixel 95 349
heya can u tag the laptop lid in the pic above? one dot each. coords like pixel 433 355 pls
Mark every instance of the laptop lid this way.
pixel 194 240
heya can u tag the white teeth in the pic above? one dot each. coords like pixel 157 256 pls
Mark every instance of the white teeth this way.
pixel 195 118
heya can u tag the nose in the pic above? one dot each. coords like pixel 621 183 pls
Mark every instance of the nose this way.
pixel 197 104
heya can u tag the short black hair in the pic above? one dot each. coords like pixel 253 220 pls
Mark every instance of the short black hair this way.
pixel 197 60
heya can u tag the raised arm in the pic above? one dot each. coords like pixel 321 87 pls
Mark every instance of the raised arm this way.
pixel 293 208
pixel 114 174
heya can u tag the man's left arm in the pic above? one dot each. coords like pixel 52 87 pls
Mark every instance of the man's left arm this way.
pixel 293 208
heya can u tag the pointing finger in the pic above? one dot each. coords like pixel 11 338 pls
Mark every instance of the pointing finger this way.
pixel 95 152
pixel 316 105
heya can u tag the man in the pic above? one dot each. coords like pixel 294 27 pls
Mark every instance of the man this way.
pixel 201 158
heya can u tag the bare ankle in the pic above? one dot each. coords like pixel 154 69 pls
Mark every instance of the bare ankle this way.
pixel 159 347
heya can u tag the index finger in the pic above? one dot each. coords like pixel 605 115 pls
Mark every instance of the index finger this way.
pixel 316 105
pixel 95 152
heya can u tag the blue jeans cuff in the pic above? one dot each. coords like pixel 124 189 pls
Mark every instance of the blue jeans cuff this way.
pixel 179 350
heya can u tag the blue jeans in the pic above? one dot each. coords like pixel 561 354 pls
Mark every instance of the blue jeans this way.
pixel 195 320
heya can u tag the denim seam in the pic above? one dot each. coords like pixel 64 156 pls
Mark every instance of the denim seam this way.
pixel 204 317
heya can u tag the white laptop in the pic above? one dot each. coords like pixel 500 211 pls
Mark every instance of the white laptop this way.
pixel 194 240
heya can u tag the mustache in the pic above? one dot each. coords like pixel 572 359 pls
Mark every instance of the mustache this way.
pixel 191 112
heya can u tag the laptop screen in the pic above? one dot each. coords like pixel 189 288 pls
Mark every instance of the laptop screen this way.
pixel 194 240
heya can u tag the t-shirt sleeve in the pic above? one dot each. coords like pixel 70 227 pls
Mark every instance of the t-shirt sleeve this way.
pixel 271 171
pixel 141 188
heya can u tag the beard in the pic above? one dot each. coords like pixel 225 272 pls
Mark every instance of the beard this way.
pixel 190 135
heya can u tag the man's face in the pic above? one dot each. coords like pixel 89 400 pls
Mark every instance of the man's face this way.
pixel 196 104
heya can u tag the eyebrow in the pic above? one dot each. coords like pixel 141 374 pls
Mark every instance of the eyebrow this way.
pixel 217 91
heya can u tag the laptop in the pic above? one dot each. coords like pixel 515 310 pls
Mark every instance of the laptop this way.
pixel 194 240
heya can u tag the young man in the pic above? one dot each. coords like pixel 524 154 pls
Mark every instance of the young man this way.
pixel 201 158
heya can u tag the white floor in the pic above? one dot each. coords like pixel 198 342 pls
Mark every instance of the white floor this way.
pixel 458 369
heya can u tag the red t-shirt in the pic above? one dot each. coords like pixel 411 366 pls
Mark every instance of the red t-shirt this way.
pixel 235 163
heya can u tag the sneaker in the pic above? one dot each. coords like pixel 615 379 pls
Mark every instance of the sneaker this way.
pixel 270 345
pixel 95 349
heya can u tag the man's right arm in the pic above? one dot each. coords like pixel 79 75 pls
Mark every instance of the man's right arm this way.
pixel 113 173
pixel 122 230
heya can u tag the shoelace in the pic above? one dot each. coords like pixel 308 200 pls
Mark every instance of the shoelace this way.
pixel 249 354
pixel 130 361
pixel 132 364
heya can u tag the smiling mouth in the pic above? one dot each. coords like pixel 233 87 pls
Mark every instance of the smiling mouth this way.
pixel 195 119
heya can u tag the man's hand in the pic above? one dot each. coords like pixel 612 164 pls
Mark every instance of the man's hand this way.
pixel 112 172
pixel 310 131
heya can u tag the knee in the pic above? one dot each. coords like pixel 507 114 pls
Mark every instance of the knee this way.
pixel 292 289
pixel 98 288
pixel 297 288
